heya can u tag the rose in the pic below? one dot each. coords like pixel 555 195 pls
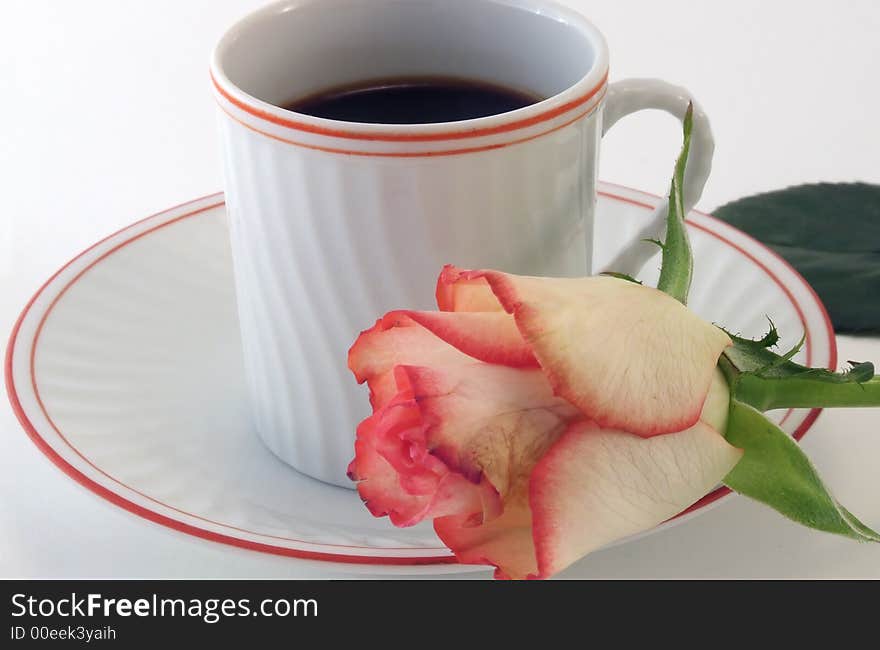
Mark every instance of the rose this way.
pixel 537 419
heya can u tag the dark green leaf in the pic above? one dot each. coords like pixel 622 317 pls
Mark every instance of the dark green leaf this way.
pixel 831 234
pixel 776 472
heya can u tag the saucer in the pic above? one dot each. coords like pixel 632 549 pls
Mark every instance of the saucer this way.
pixel 125 369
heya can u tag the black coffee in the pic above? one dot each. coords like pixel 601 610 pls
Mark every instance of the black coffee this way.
pixel 420 100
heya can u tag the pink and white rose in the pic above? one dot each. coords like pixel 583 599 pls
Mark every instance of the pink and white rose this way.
pixel 538 419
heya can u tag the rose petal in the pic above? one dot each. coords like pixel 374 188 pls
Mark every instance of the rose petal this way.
pixel 379 485
pixel 629 356
pixel 460 425
pixel 463 294
pixel 493 422
pixel 399 477
pixel 434 339
pixel 596 486
pixel 393 341
pixel 489 420
pixel 378 350
pixel 457 440
pixel 505 542
pixel 492 337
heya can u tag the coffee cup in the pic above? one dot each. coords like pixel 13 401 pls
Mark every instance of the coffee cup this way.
pixel 333 223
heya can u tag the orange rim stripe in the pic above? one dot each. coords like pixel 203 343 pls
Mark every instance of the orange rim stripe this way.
pixel 410 154
pixel 412 137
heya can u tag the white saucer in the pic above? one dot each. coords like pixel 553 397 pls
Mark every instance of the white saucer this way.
pixel 125 369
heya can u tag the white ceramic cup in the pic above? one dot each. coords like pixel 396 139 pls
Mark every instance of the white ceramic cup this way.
pixel 335 223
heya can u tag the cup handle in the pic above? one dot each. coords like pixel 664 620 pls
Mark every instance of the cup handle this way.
pixel 632 95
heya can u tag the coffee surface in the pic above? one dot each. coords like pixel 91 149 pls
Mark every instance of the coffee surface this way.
pixel 413 101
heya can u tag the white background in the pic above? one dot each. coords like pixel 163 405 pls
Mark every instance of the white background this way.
pixel 107 116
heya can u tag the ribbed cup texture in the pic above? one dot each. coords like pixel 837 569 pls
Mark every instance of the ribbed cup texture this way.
pixel 324 244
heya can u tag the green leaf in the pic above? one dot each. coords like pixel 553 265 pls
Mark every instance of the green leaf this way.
pixel 765 380
pixel 677 270
pixel 775 471
pixel 831 234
